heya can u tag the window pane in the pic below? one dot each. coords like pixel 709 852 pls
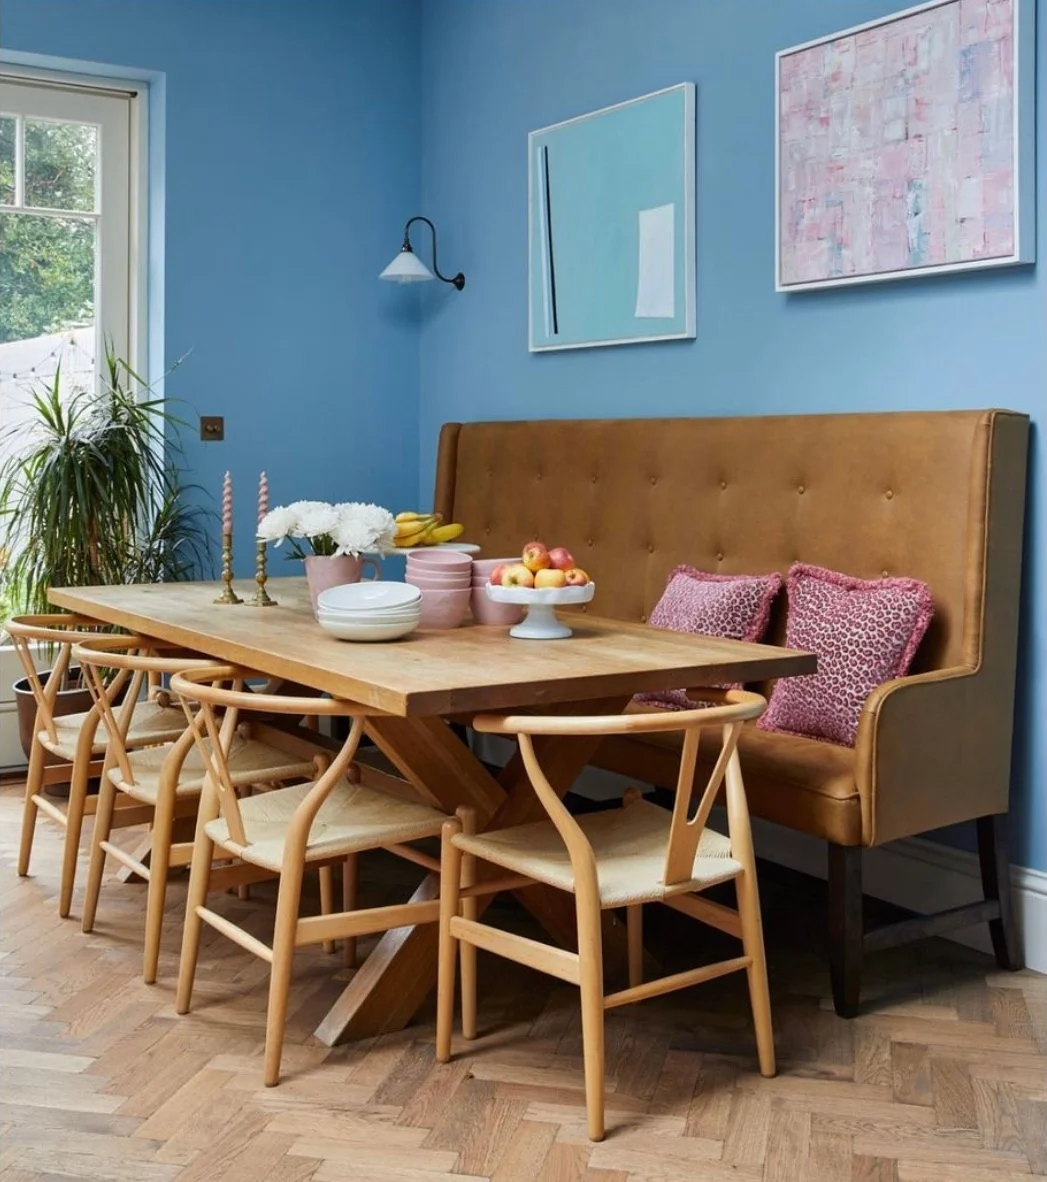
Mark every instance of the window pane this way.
pixel 60 164
pixel 47 275
pixel 8 126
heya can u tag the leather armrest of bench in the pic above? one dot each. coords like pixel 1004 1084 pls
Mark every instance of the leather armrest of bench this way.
pixel 933 749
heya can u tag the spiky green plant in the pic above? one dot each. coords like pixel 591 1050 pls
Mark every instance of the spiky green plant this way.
pixel 91 496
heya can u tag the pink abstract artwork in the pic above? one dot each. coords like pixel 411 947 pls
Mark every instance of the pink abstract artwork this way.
pixel 897 146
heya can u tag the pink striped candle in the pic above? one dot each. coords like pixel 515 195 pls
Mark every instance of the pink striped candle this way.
pixel 263 497
pixel 227 506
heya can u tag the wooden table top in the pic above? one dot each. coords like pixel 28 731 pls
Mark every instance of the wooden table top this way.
pixel 457 671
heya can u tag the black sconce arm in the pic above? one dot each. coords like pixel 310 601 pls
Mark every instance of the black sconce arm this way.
pixel 459 280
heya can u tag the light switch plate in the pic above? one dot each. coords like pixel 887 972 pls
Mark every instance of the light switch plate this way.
pixel 212 428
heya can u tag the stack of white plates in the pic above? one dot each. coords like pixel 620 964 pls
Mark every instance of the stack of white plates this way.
pixel 369 611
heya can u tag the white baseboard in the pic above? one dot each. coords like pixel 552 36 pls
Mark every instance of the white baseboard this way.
pixel 920 875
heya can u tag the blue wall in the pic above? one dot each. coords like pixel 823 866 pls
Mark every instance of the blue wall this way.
pixel 494 71
pixel 291 157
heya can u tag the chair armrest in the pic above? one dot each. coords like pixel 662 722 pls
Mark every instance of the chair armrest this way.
pixel 933 749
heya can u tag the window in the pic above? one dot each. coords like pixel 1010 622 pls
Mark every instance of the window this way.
pixel 68 255
pixel 65 236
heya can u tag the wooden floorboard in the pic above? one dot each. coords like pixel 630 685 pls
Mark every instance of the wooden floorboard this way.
pixel 942 1079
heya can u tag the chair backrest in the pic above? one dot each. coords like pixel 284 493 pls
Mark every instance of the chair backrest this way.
pixel 223 688
pixel 726 710
pixel 58 633
pixel 116 669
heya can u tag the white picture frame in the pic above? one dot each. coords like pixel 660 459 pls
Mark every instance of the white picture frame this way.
pixel 1023 133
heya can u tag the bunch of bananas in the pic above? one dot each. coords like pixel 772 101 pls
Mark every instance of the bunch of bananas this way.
pixel 424 529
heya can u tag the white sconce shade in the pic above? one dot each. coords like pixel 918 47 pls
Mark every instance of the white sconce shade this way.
pixel 407 267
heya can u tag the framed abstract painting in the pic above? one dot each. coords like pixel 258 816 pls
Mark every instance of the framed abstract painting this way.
pixel 906 146
pixel 611 225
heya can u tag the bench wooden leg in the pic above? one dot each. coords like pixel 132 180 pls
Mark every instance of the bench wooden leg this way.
pixel 994 856
pixel 845 927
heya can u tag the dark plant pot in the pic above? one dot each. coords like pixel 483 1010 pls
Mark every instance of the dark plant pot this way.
pixel 75 700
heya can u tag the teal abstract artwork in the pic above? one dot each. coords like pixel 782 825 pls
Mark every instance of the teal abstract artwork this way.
pixel 611 238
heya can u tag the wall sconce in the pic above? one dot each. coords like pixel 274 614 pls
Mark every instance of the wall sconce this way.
pixel 407 267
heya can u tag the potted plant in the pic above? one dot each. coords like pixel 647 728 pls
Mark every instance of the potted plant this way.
pixel 331 539
pixel 89 496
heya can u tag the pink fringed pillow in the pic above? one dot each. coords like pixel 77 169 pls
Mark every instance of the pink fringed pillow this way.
pixel 865 632
pixel 736 607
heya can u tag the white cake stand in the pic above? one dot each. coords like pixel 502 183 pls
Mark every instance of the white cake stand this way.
pixel 541 623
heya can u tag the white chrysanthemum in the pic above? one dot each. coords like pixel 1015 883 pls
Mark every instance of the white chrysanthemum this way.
pixel 278 524
pixel 314 518
pixel 363 527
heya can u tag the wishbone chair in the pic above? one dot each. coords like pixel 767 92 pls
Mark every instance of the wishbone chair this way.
pixel 624 857
pixel 316 824
pixel 164 780
pixel 76 739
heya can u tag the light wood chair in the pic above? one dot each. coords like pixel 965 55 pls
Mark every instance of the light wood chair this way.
pixel 317 824
pixel 77 740
pixel 165 781
pixel 618 858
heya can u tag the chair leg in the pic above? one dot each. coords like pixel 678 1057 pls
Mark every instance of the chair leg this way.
pixel 590 965
pixel 74 823
pixel 467 951
pixel 450 878
pixel 326 876
pixel 994 856
pixel 33 782
pixel 199 877
pixel 101 831
pixel 288 900
pixel 159 864
pixel 845 927
pixel 634 937
pixel 350 893
pixel 759 993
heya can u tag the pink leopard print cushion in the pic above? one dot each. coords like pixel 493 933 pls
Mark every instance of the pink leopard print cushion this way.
pixel 864 631
pixel 733 606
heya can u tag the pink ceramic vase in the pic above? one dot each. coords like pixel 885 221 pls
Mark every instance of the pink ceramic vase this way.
pixel 323 571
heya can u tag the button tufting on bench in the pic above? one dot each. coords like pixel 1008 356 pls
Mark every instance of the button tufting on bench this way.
pixel 801 490
pixel 723 484
pixel 889 495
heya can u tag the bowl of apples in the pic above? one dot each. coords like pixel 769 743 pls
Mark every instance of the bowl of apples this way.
pixel 540 582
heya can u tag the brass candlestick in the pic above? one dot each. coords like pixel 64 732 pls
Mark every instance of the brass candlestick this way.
pixel 262 597
pixel 228 594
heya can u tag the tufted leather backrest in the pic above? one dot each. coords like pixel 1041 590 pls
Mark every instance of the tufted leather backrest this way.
pixel 868 494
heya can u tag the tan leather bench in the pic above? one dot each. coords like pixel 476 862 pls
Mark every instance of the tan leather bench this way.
pixel 937 496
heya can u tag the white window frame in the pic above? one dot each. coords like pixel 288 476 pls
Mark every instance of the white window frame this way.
pixel 133 327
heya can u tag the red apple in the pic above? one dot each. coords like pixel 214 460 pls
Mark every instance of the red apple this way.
pixel 576 577
pixel 496 575
pixel 517 575
pixel 535 556
pixel 561 558
pixel 550 578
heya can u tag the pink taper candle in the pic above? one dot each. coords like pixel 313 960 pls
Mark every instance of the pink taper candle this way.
pixel 227 506
pixel 263 497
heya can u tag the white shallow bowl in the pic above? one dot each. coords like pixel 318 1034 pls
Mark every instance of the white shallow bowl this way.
pixel 370 619
pixel 541 623
pixel 365 614
pixel 367 632
pixel 374 594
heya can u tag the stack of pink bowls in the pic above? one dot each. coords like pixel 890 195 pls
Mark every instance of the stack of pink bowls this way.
pixel 444 578
pixel 486 611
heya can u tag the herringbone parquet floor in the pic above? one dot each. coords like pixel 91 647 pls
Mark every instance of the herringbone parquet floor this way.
pixel 944 1078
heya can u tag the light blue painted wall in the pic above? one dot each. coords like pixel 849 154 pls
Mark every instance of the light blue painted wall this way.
pixel 494 71
pixel 291 157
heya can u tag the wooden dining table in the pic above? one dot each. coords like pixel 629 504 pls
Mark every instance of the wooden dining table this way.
pixel 422 681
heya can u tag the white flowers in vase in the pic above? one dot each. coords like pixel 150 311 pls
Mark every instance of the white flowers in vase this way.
pixel 350 527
